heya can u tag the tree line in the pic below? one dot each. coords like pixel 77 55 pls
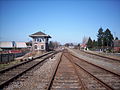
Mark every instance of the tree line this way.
pixel 53 45
pixel 104 40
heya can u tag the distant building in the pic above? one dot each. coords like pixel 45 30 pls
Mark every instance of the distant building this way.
pixel 83 46
pixel 12 44
pixel 6 45
pixel 116 45
pixel 21 45
pixel 40 41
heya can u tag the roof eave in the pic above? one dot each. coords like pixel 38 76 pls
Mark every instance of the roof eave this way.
pixel 40 36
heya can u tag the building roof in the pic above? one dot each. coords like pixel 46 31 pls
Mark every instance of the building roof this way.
pixel 21 45
pixel 6 44
pixel 83 45
pixel 11 44
pixel 40 34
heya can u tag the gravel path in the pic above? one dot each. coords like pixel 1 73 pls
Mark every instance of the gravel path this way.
pixel 36 79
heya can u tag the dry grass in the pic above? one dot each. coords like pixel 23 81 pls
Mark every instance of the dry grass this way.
pixel 5 65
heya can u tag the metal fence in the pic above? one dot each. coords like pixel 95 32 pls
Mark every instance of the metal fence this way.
pixel 4 58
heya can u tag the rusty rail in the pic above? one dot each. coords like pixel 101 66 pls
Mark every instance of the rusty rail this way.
pixel 14 66
pixel 51 81
pixel 106 85
pixel 5 83
pixel 82 83
pixel 97 66
pixel 101 82
pixel 54 73
pixel 101 56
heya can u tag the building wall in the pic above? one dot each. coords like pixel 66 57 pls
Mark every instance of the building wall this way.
pixel 39 46
pixel 117 49
pixel 39 43
pixel 116 45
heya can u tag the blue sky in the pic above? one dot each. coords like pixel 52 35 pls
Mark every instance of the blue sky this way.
pixel 64 20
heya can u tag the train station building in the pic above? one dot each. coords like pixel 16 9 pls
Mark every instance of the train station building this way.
pixel 40 41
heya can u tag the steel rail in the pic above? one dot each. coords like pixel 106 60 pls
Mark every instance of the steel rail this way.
pixel 80 80
pixel 14 66
pixel 53 74
pixel 5 83
pixel 109 87
pixel 96 65
pixel 100 81
pixel 49 86
pixel 101 56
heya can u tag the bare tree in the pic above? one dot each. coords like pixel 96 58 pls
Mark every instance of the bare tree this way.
pixel 85 40
pixel 53 45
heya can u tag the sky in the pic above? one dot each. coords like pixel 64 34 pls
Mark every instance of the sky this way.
pixel 64 20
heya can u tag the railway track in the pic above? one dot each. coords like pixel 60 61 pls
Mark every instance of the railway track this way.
pixel 65 76
pixel 11 73
pixel 106 78
pixel 109 64
pixel 104 57
pixel 73 73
